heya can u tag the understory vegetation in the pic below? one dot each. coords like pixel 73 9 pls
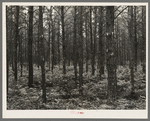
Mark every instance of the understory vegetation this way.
pixel 62 93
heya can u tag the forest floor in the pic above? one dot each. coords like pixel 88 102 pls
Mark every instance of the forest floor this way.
pixel 61 97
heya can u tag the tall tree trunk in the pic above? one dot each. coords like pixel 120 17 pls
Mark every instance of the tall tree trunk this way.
pixel 132 51
pixel 25 48
pixel 38 45
pixel 21 61
pixel 124 48
pixel 135 39
pixel 95 37
pixel 87 52
pixel 58 61
pixel 8 37
pixel 16 41
pixel 30 41
pixel 131 47
pixel 80 54
pixel 117 37
pixel 92 61
pixel 49 41
pixel 144 38
pixel 53 51
pixel 68 47
pixel 111 57
pixel 42 54
pixel 119 50
pixel 101 53
pixel 75 46
pixel 49 37
pixel 12 47
pixel 63 40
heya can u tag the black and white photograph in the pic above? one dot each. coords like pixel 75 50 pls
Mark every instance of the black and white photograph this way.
pixel 75 58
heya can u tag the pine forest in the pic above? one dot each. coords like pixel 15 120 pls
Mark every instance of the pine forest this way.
pixel 76 57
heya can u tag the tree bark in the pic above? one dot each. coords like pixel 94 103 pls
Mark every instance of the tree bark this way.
pixel 111 57
pixel 80 54
pixel 63 40
pixel 42 54
pixel 117 37
pixel 8 39
pixel 131 47
pixel 75 46
pixel 58 44
pixel 95 37
pixel 38 45
pixel 135 39
pixel 30 41
pixel 144 39
pixel 101 45
pixel 12 47
pixel 53 39
pixel 49 33
pixel 25 55
pixel 92 61
pixel 21 53
pixel 87 50
pixel 16 41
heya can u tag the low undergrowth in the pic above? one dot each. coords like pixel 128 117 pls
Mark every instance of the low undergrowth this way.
pixel 63 95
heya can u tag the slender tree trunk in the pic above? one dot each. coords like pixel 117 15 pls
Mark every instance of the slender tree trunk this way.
pixel 132 51
pixel 63 40
pixel 58 44
pixel 144 38
pixel 21 61
pixel 124 48
pixel 101 45
pixel 16 41
pixel 92 61
pixel 87 52
pixel 11 46
pixel 38 45
pixel 117 30
pixel 67 45
pixel 135 39
pixel 75 46
pixel 49 38
pixel 18 51
pixel 68 48
pixel 25 48
pixel 131 47
pixel 7 46
pixel 42 54
pixel 30 41
pixel 111 57
pixel 119 50
pixel 80 55
pixel 95 37
pixel 49 44
pixel 53 53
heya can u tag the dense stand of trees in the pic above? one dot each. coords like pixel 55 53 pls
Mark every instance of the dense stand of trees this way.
pixel 93 37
